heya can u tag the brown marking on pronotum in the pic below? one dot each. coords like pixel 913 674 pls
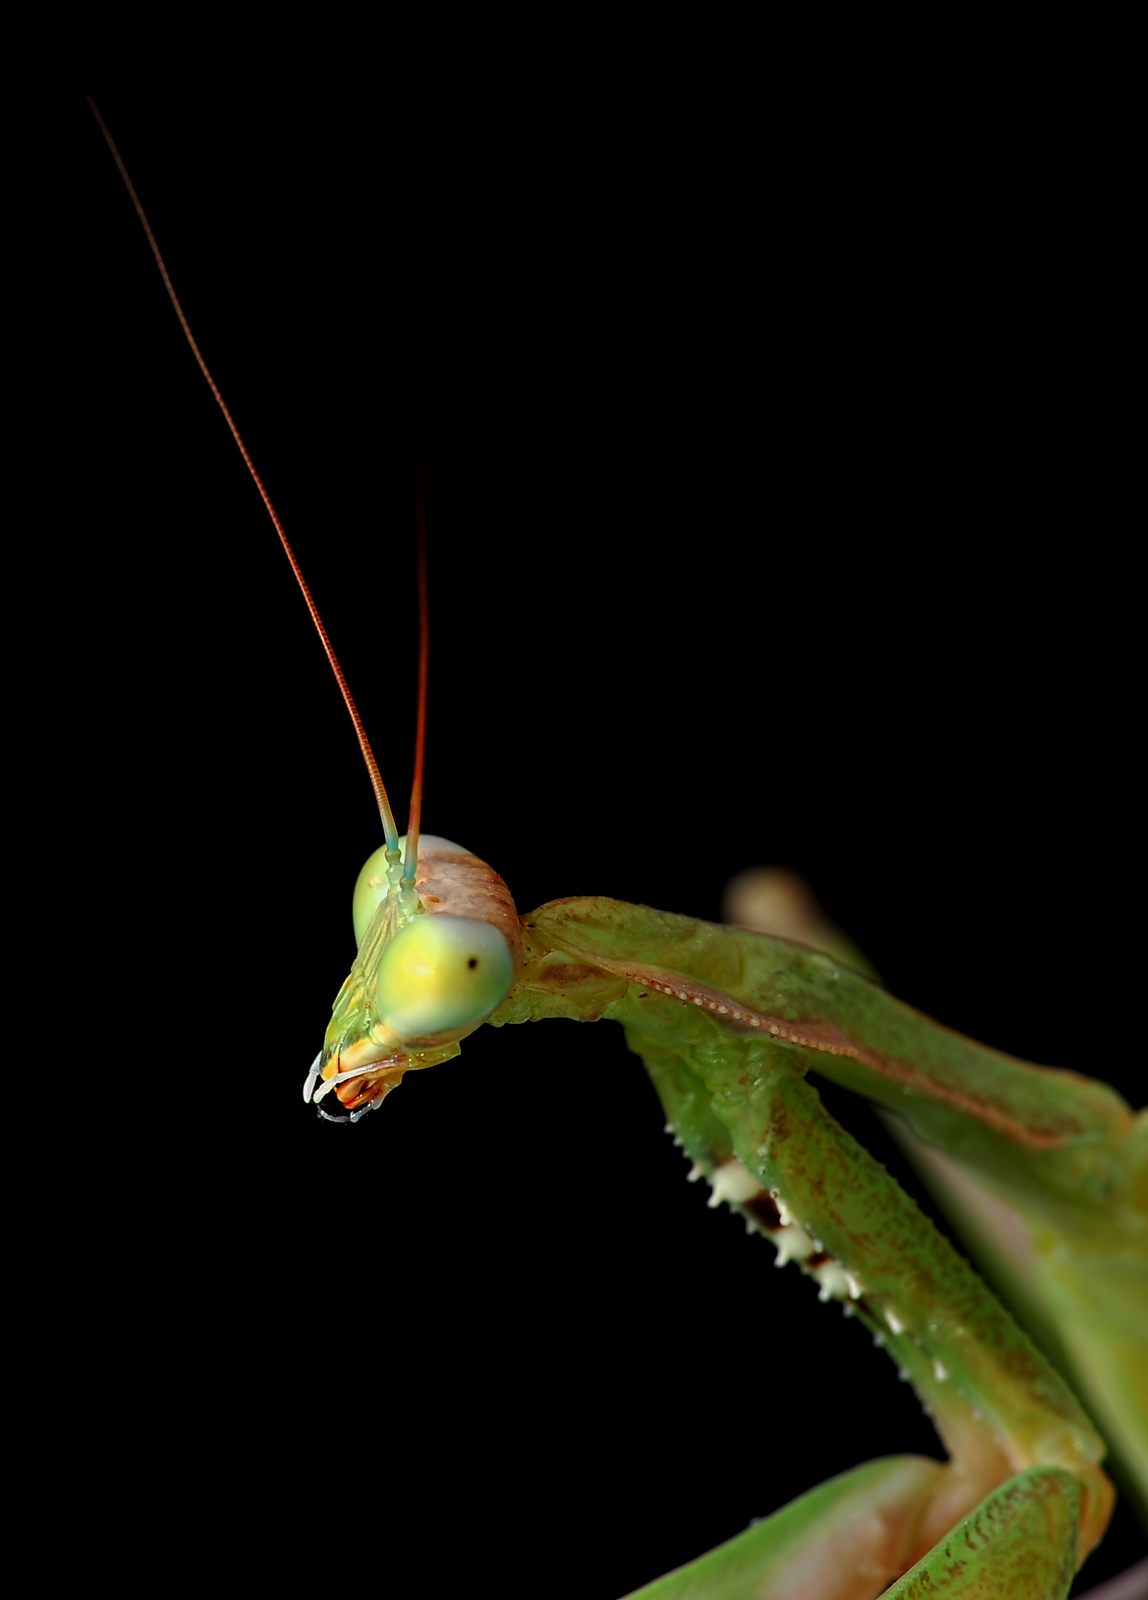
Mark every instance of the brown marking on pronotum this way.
pixel 569 974
pixel 827 1039
pixel 468 887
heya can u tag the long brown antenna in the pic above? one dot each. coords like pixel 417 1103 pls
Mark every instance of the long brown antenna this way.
pixel 385 812
pixel 410 861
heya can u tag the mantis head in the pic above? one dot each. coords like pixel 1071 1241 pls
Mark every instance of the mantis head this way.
pixel 435 959
pixel 439 942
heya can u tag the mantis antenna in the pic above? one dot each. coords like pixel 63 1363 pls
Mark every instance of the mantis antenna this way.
pixel 390 831
pixel 414 815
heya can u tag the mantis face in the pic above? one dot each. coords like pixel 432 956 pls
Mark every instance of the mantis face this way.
pixel 434 961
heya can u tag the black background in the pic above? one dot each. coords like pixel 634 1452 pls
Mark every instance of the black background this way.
pixel 771 519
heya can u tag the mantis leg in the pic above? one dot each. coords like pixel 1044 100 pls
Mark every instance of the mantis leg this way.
pixel 838 1541
pixel 777 1157
pixel 843 1539
pixel 1018 1544
pixel 1061 1232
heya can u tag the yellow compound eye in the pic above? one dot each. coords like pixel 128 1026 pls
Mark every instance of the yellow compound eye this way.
pixel 442 975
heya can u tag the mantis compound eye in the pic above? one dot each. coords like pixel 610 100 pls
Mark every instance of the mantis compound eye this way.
pixel 441 975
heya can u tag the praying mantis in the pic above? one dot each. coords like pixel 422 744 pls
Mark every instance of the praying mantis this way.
pixel 669 684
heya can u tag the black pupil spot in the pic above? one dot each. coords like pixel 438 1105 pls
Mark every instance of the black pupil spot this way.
pixel 472 963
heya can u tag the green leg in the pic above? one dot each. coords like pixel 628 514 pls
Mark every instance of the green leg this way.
pixel 847 1538
pixel 1023 1456
pixel 1018 1544
pixel 996 1402
pixel 843 1540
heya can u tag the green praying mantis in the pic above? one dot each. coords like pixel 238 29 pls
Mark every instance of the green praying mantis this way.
pixel 585 675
